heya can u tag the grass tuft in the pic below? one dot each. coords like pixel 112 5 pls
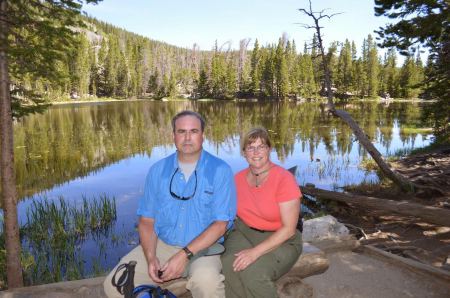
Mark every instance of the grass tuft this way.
pixel 52 236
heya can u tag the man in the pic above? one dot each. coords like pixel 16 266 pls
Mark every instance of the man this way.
pixel 189 202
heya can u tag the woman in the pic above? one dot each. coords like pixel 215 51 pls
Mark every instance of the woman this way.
pixel 264 243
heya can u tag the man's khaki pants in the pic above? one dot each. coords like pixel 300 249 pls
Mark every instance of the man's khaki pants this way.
pixel 204 281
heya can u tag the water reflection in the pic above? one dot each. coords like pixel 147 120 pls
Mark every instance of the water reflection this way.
pixel 90 149
pixel 69 142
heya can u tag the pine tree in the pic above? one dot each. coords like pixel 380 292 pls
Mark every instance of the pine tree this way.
pixel 307 84
pixel 391 74
pixel 424 23
pixel 293 68
pixel 355 74
pixel 34 36
pixel 254 69
pixel 345 66
pixel 230 83
pixel 372 67
pixel 203 85
pixel 101 71
pixel 281 72
pixel 80 66
pixel 217 73
pixel 410 78
pixel 120 78
pixel 333 61
pixel 267 85
pixel 93 69
pixel 112 65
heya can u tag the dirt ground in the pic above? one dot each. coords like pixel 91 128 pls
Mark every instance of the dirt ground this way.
pixel 357 275
pixel 407 236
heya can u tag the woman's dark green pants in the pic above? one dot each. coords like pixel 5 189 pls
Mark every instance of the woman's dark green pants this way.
pixel 258 279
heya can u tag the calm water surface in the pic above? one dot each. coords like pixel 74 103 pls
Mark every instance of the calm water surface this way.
pixel 107 148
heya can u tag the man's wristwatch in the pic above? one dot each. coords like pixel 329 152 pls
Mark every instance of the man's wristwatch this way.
pixel 188 252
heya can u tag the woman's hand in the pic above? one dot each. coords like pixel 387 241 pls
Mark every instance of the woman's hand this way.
pixel 289 216
pixel 244 258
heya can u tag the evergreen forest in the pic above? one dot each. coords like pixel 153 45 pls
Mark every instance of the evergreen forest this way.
pixel 107 61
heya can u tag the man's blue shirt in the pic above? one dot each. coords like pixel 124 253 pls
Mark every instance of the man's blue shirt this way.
pixel 178 222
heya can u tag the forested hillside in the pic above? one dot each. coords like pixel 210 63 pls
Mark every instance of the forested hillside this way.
pixel 111 62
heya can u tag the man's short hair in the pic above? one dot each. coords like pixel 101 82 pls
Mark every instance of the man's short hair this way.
pixel 189 113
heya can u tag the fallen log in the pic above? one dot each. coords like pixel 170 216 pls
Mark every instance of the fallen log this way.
pixel 429 214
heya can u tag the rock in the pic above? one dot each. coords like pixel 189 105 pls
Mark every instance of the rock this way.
pixel 325 227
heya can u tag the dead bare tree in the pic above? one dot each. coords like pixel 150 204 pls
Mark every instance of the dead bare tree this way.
pixel 243 44
pixel 398 179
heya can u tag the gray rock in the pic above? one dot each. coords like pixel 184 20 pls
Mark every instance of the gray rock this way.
pixel 325 227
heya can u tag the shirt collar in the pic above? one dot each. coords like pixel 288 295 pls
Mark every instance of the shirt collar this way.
pixel 199 162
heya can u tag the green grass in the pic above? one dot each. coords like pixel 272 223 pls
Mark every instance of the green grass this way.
pixel 416 130
pixel 368 164
pixel 52 236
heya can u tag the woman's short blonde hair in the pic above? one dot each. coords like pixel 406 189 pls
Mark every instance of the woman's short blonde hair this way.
pixel 254 134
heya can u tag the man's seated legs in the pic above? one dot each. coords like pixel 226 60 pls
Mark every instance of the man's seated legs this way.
pixel 141 277
pixel 205 278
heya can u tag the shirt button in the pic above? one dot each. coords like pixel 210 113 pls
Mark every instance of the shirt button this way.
pixel 181 226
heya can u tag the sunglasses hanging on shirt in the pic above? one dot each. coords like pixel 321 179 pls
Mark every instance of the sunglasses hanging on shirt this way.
pixel 174 195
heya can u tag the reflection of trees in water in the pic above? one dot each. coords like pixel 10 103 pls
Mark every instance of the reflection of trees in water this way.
pixel 72 141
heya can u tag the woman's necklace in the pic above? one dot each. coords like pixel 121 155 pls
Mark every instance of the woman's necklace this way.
pixel 259 174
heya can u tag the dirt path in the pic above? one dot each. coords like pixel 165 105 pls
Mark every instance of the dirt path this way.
pixel 402 235
pixel 357 275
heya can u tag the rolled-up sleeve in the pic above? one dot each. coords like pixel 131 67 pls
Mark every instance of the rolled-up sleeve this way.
pixel 224 208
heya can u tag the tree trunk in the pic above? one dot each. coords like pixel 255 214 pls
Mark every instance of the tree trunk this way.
pixel 374 153
pixel 9 192
pixel 360 135
pixel 438 216
pixel 243 44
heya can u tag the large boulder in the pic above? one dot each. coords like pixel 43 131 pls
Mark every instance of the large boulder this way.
pixel 321 228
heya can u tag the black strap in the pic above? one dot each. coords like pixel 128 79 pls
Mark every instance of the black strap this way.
pixel 125 283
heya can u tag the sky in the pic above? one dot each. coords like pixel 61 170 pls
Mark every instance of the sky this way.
pixel 185 22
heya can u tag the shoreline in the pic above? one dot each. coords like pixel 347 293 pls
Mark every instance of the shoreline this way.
pixel 57 103
pixel 99 100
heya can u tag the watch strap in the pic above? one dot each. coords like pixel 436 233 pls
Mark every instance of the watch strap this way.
pixel 188 252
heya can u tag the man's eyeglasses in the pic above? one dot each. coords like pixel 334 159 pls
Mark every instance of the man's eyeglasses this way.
pixel 254 149
pixel 174 195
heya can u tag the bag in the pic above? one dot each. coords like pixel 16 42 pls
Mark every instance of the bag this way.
pixel 125 284
pixel 151 291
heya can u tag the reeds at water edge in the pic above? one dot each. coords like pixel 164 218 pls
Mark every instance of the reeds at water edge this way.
pixel 53 234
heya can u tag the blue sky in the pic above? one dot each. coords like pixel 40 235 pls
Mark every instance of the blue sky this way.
pixel 184 23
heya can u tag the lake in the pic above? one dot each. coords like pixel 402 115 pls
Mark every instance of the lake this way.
pixel 90 149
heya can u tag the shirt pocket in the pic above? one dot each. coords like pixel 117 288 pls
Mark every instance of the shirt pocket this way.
pixel 207 196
